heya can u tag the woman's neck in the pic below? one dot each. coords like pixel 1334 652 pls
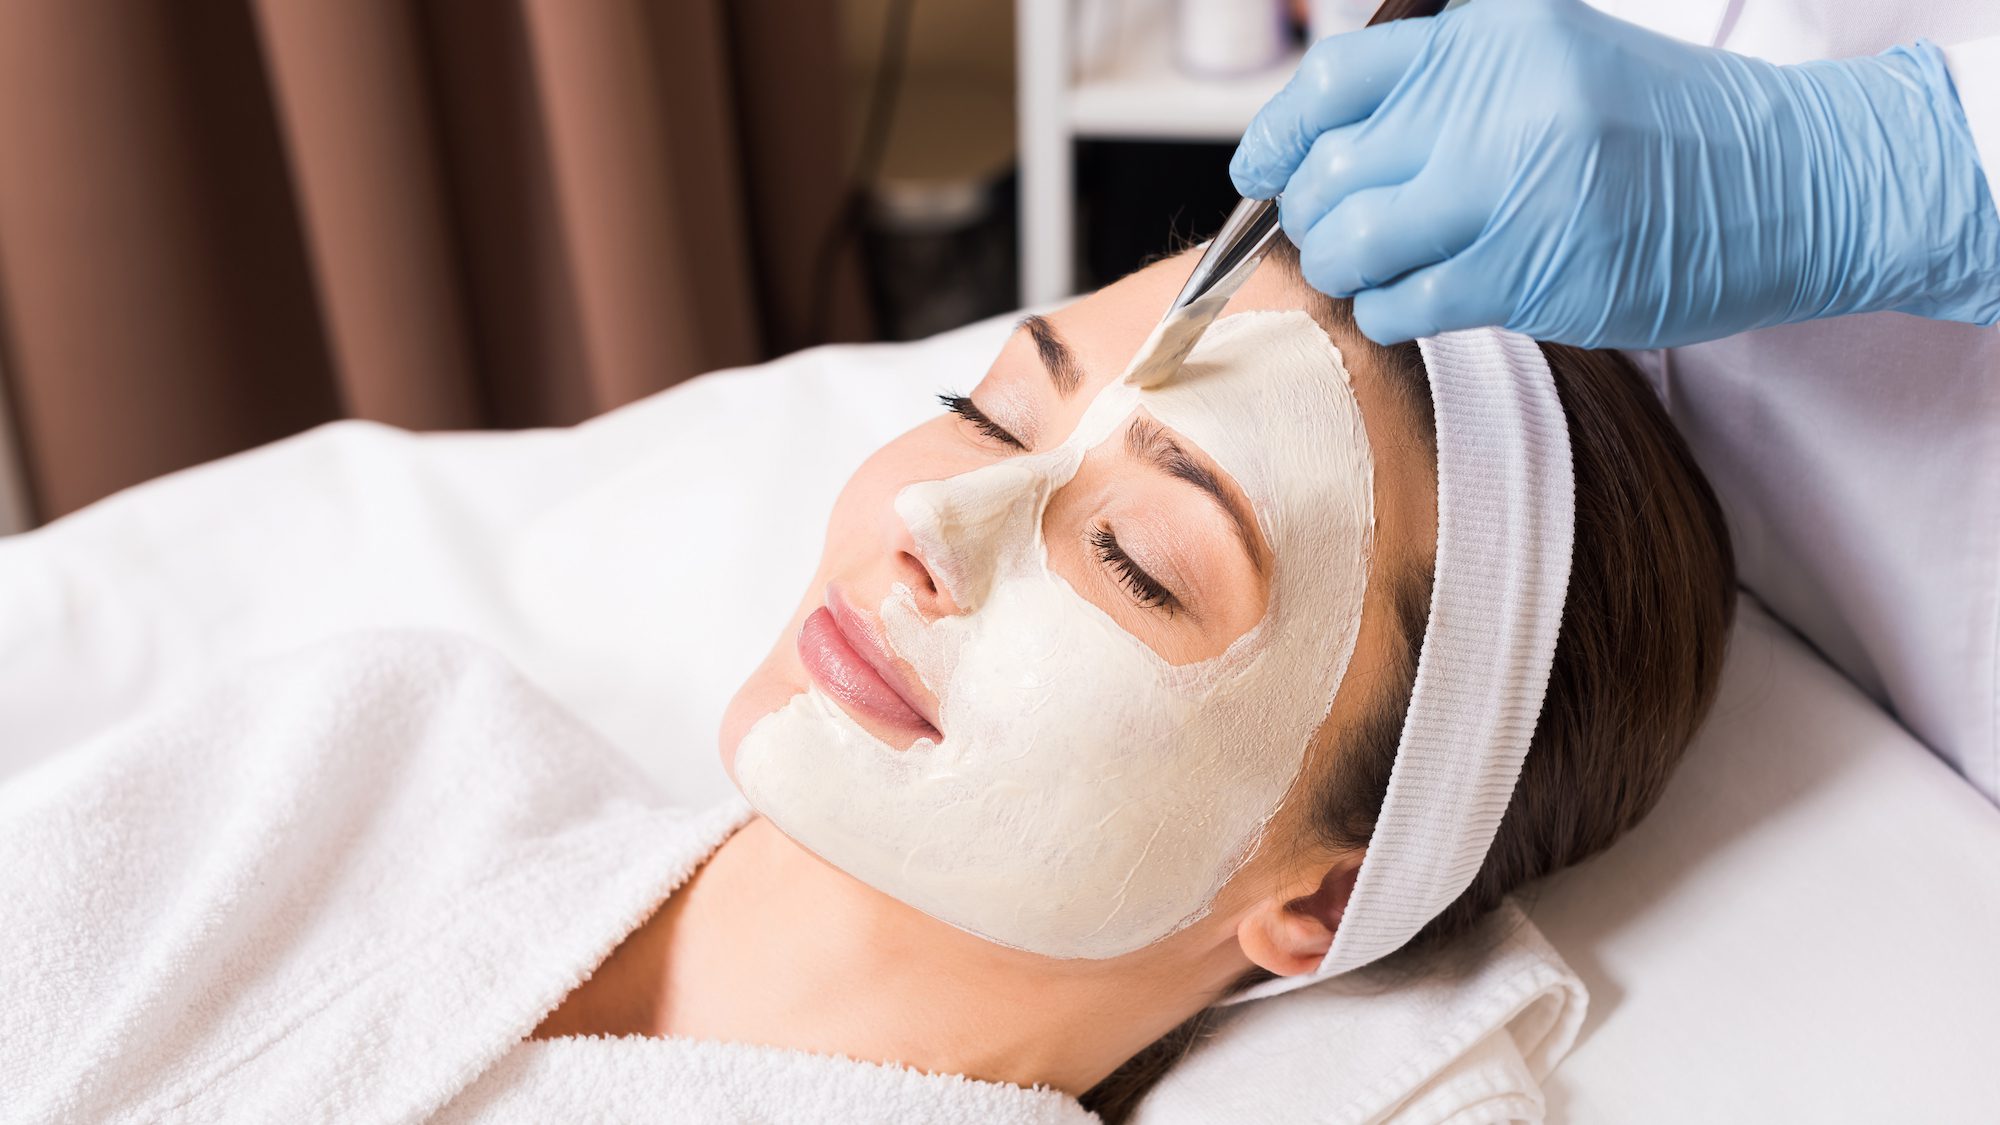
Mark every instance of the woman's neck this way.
pixel 768 944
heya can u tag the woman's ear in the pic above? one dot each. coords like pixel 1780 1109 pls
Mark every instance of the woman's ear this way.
pixel 1289 931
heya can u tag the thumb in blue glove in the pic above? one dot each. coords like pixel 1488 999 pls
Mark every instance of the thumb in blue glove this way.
pixel 1539 165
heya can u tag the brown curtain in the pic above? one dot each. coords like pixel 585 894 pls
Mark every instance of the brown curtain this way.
pixel 223 222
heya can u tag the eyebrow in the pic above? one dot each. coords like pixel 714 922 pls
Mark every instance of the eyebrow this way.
pixel 1150 442
pixel 1061 363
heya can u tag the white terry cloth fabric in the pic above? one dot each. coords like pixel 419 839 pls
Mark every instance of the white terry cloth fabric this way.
pixel 637 1078
pixel 344 885
pixel 336 888
pixel 1462 1039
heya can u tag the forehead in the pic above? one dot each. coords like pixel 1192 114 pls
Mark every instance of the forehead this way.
pixel 1105 329
pixel 1265 394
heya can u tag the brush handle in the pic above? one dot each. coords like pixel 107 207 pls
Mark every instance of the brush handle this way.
pixel 1233 254
pixel 1406 9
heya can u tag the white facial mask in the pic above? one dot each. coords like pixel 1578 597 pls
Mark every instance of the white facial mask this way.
pixel 1088 798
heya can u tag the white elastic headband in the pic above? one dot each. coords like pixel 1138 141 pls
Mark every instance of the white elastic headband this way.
pixel 1506 524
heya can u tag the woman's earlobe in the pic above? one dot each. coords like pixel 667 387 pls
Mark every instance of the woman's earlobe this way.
pixel 1289 936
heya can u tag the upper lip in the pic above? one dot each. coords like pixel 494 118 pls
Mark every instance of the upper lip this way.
pixel 861 633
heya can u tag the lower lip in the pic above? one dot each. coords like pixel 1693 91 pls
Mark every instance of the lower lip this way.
pixel 852 681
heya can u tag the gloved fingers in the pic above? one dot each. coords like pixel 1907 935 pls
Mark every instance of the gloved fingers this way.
pixel 1438 298
pixel 1340 81
pixel 1379 234
pixel 1341 162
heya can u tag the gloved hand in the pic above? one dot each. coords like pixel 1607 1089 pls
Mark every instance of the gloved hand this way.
pixel 1539 165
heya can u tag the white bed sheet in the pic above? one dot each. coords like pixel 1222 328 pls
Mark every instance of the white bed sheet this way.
pixel 1807 929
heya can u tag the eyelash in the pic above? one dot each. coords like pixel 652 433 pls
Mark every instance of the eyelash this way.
pixel 963 407
pixel 1145 589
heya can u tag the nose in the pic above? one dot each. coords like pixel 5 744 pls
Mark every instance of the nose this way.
pixel 961 530
pixel 909 568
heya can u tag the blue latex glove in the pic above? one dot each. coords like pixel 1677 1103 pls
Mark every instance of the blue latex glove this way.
pixel 1539 165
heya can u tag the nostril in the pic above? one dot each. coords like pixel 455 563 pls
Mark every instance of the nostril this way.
pixel 923 573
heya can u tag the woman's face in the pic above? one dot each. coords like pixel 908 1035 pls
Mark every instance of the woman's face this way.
pixel 1068 642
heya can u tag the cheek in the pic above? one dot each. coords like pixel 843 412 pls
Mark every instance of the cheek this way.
pixel 864 520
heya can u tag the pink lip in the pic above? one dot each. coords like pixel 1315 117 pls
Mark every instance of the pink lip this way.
pixel 843 657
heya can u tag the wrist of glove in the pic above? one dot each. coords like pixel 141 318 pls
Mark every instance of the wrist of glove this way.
pixel 1903 218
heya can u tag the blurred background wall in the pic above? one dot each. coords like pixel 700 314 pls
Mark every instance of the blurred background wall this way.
pixel 225 221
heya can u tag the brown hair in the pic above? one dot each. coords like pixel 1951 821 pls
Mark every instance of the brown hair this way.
pixel 1652 590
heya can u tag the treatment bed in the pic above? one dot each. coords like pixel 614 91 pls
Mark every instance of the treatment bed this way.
pixel 1807 929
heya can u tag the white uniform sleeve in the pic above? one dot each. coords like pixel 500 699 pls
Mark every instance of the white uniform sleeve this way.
pixel 1975 71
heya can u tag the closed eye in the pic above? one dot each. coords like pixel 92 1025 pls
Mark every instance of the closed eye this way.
pixel 965 408
pixel 1144 588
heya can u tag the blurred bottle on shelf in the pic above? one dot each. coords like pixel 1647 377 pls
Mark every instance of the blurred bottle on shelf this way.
pixel 1228 38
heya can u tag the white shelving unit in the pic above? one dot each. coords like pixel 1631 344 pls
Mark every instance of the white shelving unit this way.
pixel 1116 81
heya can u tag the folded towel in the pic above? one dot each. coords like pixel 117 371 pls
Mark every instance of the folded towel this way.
pixel 1464 1038
pixel 344 885
pixel 1488 1085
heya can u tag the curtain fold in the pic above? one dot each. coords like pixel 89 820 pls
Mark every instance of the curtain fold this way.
pixel 645 188
pixel 354 114
pixel 223 222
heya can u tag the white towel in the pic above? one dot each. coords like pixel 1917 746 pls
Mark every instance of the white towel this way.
pixel 1465 1041
pixel 336 888
pixel 343 886
pixel 636 1078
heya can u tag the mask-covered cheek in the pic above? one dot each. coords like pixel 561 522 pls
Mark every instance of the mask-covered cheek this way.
pixel 1074 808
pixel 1087 798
